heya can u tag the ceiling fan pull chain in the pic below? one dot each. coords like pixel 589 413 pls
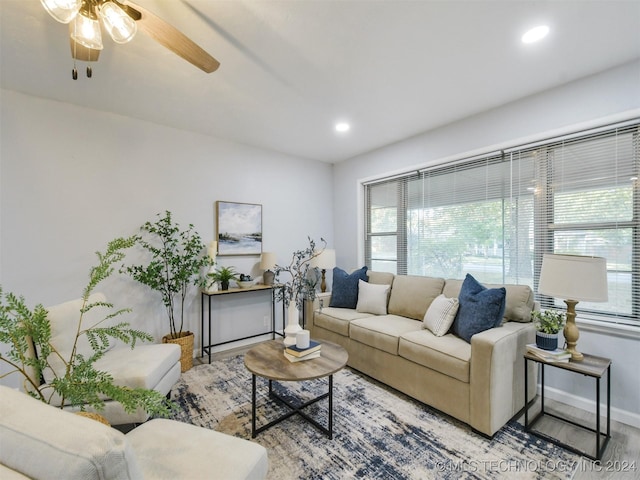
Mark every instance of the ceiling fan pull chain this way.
pixel 74 71
pixel 89 71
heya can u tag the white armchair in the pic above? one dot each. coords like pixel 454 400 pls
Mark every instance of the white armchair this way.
pixel 154 367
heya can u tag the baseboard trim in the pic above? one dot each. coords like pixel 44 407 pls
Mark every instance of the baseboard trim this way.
pixel 617 414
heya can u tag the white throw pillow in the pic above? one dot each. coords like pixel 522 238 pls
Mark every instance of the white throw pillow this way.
pixel 440 315
pixel 372 298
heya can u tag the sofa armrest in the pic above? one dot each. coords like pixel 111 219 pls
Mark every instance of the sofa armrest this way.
pixel 65 445
pixel 497 375
pixel 321 301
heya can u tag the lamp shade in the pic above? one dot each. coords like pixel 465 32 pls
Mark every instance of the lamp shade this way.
pixel 86 30
pixel 326 260
pixel 574 277
pixel 121 27
pixel 267 260
pixel 62 10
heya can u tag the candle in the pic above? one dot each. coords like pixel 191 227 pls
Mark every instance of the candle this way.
pixel 212 250
pixel 302 339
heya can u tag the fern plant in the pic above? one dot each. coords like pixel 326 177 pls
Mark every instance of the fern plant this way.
pixel 176 262
pixel 81 384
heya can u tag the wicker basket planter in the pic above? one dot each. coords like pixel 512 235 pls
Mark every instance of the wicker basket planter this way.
pixel 94 416
pixel 185 340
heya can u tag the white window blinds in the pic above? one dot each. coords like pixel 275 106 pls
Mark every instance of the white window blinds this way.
pixel 494 216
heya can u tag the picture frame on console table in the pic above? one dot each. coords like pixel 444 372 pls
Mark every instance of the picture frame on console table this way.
pixel 239 228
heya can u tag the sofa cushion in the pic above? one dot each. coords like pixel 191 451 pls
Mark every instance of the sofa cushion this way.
pixel 480 308
pixel 191 452
pixel 345 287
pixel 142 367
pixel 440 315
pixel 146 366
pixel 411 295
pixel 337 319
pixel 449 355
pixel 41 441
pixel 519 301
pixel 372 298
pixel 382 331
pixel 380 278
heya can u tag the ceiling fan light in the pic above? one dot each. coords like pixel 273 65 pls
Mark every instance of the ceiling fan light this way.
pixel 62 10
pixel 86 31
pixel 121 27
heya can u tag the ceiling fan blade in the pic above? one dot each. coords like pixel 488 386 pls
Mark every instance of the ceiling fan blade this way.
pixel 171 38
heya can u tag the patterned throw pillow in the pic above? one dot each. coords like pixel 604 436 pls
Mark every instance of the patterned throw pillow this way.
pixel 480 308
pixel 372 298
pixel 440 315
pixel 344 292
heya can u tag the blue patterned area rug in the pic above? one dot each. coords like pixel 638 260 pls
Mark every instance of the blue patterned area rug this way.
pixel 378 433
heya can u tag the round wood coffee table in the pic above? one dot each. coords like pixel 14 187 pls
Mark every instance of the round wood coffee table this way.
pixel 267 360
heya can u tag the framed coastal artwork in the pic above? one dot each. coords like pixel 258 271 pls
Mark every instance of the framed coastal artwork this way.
pixel 239 227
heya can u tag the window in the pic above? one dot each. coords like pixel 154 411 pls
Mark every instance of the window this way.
pixel 385 226
pixel 494 216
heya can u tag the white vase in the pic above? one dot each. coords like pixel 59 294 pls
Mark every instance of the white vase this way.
pixel 293 327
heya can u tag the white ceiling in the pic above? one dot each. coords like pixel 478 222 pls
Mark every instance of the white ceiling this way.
pixel 291 69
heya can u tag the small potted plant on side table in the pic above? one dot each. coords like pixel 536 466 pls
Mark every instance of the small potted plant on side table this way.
pixel 548 324
pixel 223 275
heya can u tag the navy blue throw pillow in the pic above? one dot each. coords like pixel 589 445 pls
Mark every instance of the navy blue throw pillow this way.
pixel 480 308
pixel 344 292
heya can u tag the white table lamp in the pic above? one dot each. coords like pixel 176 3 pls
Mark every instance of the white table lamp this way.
pixel 325 261
pixel 267 262
pixel 573 278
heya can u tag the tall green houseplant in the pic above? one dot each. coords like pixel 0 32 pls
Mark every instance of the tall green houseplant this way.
pixel 176 261
pixel 80 384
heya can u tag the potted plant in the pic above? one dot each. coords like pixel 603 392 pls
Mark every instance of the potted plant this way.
pixel 548 324
pixel 223 275
pixel 301 286
pixel 177 258
pixel 81 385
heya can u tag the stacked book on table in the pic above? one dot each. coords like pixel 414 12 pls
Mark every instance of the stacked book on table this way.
pixel 295 354
pixel 557 355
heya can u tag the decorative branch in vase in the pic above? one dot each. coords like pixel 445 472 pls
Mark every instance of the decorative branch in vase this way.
pixel 301 286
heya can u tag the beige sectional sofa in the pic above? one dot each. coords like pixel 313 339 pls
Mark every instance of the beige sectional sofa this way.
pixel 480 383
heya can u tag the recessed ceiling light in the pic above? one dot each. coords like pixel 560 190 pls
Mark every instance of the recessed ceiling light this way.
pixel 535 34
pixel 342 127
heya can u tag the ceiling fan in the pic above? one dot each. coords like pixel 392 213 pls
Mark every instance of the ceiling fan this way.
pixel 121 20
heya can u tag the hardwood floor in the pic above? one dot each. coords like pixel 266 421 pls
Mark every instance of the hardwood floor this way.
pixel 621 459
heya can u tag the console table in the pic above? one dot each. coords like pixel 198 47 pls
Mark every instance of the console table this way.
pixel 591 366
pixel 209 296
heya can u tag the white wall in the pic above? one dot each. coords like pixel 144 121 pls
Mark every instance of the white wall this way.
pixel 612 94
pixel 71 179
